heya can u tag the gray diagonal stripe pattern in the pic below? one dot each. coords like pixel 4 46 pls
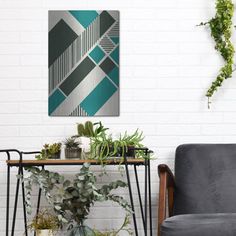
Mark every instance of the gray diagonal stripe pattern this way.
pixel 73 54
pixel 75 78
pixel 107 44
pixel 80 92
pixel 78 111
pixel 114 32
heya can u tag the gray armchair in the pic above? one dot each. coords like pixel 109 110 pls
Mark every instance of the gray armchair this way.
pixel 201 197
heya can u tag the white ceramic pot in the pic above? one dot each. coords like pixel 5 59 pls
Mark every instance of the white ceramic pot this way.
pixel 44 232
pixel 85 144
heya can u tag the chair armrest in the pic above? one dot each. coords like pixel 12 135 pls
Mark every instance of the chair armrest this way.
pixel 167 184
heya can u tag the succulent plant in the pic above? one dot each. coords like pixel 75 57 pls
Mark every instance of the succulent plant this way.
pixel 48 151
pixel 103 146
pixel 90 129
pixel 85 130
pixel 134 140
pixel 71 143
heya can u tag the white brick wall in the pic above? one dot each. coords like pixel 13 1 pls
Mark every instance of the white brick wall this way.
pixel 166 65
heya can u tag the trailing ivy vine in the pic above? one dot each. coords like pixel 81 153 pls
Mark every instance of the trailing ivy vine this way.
pixel 221 31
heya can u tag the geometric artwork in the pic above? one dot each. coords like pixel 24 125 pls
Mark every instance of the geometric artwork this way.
pixel 83 63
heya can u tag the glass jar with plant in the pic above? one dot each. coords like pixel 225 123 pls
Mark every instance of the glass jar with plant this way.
pixel 72 148
pixel 50 151
pixel 44 223
pixel 72 200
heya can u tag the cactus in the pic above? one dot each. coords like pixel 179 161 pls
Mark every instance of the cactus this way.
pixel 90 130
pixel 49 151
pixel 85 130
pixel 80 130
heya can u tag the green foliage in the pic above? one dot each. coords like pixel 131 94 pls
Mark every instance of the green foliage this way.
pixel 124 228
pixel 44 220
pixel 72 200
pixel 71 143
pixel 221 31
pixel 103 146
pixel 90 129
pixel 48 151
pixel 133 140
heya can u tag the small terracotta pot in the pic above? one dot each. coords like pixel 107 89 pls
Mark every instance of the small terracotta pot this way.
pixel 44 232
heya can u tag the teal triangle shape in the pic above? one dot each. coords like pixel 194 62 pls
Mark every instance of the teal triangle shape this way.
pixel 114 75
pixel 115 40
pixel 115 55
pixel 85 18
pixel 98 97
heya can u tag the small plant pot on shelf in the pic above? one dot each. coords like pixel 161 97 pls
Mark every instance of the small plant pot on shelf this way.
pixel 129 154
pixel 44 232
pixel 73 153
pixel 56 155
pixel 109 152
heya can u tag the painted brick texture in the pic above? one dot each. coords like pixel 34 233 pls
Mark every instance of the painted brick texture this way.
pixel 167 63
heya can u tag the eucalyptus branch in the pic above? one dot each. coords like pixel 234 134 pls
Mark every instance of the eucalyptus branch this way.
pixel 72 200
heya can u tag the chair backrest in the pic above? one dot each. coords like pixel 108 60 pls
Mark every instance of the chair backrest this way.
pixel 205 177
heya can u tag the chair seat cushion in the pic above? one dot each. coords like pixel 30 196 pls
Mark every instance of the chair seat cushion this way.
pixel 219 224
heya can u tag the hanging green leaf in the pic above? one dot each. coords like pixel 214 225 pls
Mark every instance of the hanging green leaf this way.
pixel 221 31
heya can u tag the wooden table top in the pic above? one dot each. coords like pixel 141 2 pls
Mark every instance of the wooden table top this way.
pixel 35 162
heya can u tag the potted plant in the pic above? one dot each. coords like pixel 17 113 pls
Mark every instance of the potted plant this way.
pixel 50 151
pixel 128 143
pixel 72 148
pixel 44 223
pixel 102 148
pixel 87 131
pixel 72 200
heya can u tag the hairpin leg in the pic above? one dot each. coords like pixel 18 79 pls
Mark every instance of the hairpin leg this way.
pixel 23 198
pixel 139 195
pixel 131 196
pixel 38 203
pixel 8 200
pixel 15 204
pixel 150 196
pixel 145 198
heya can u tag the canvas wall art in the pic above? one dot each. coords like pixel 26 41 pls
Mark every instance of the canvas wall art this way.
pixel 83 63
